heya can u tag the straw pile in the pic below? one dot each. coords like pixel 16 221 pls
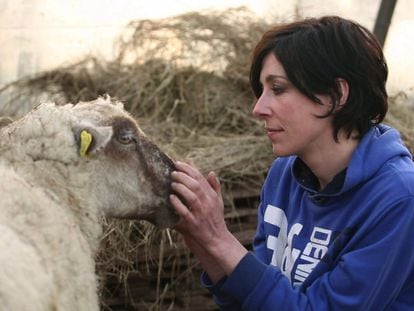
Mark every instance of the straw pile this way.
pixel 186 80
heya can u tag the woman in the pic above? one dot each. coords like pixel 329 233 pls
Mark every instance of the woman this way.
pixel 336 219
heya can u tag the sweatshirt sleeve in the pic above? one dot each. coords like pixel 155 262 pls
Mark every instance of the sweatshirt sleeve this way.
pixel 222 300
pixel 367 277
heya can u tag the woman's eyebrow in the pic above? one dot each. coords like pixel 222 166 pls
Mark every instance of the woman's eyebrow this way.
pixel 271 78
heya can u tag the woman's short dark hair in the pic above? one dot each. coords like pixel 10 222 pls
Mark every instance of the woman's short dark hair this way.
pixel 315 53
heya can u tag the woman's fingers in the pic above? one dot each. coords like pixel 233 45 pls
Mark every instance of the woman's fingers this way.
pixel 188 170
pixel 183 212
pixel 187 175
pixel 214 182
pixel 184 191
pixel 192 179
pixel 179 206
pixel 185 167
pixel 184 179
pixel 196 192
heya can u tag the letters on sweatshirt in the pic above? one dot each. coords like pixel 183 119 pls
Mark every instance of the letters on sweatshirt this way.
pixel 295 263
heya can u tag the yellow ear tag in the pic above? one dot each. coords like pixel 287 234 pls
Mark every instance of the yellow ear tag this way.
pixel 86 140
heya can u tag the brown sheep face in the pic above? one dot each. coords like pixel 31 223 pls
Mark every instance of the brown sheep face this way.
pixel 130 175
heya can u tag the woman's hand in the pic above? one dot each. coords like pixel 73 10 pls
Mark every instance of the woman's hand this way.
pixel 199 203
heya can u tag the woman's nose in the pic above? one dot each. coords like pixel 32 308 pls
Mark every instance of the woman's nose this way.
pixel 261 108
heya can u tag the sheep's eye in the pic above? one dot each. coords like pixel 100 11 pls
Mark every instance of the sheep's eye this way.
pixel 126 137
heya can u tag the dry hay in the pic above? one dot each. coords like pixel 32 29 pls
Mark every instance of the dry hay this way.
pixel 401 117
pixel 185 79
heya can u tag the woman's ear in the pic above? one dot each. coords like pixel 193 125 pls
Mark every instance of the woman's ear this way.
pixel 343 91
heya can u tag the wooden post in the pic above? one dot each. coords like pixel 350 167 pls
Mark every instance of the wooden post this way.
pixel 383 20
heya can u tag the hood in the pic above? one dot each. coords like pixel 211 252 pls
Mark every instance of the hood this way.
pixel 378 146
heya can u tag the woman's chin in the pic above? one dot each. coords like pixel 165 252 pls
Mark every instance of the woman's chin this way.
pixel 279 152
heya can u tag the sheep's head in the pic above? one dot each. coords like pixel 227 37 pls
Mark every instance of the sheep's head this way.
pixel 95 154
pixel 131 174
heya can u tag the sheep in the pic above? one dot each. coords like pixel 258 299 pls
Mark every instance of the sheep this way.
pixel 64 168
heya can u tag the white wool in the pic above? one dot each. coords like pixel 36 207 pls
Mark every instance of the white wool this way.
pixel 42 266
pixel 53 200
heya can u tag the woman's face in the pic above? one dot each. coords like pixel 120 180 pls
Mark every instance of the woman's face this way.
pixel 290 117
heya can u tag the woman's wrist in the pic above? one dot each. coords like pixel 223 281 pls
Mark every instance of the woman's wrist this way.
pixel 211 267
pixel 227 252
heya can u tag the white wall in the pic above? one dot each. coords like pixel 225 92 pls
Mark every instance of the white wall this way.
pixel 38 35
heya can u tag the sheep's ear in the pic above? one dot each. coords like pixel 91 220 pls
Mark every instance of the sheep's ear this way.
pixel 92 139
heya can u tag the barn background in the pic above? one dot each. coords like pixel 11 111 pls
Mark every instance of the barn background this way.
pixel 184 76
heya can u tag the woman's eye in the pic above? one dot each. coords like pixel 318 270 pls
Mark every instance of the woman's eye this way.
pixel 277 89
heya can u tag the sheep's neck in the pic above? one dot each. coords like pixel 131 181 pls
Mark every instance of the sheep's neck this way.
pixel 59 185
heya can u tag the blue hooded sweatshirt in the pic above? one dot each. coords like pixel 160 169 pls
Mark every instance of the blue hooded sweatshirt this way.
pixel 349 247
